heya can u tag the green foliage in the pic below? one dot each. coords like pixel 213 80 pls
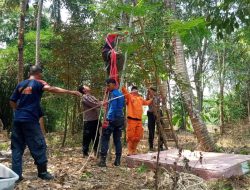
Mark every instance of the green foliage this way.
pixel 210 113
pixel 86 175
pixel 189 28
pixel 142 169
pixel 235 110
pixel 71 52
pixel 223 185
pixel 4 146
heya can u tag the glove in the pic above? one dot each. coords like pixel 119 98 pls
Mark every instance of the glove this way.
pixel 105 124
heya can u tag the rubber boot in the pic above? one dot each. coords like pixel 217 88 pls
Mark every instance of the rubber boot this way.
pixel 43 173
pixel 117 161
pixel 102 162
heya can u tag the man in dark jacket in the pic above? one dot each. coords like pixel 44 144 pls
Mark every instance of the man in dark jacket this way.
pixel 25 102
pixel 91 119
pixel 151 117
pixel 115 120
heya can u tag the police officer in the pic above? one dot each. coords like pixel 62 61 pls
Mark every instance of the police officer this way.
pixel 25 102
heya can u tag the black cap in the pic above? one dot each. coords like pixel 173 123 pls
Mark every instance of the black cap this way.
pixel 35 69
pixel 153 88
pixel 81 89
pixel 134 88
pixel 108 81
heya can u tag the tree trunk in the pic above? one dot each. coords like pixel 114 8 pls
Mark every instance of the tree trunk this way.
pixel 205 141
pixel 74 121
pixel 23 6
pixel 248 109
pixel 169 99
pixel 38 30
pixel 56 13
pixel 198 69
pixel 221 63
pixel 184 117
pixel 66 124
pixel 67 112
pixel 180 69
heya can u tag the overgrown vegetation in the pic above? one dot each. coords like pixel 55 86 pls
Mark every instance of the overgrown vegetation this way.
pixel 214 35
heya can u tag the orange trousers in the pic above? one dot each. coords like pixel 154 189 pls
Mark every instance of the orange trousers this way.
pixel 134 135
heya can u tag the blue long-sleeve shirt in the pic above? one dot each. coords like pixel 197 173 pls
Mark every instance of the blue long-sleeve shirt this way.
pixel 115 107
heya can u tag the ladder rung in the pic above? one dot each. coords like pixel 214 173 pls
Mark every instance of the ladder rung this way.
pixel 170 140
pixel 164 117
pixel 167 129
pixel 134 21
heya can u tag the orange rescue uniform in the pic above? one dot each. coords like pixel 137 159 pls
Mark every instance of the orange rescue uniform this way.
pixel 134 130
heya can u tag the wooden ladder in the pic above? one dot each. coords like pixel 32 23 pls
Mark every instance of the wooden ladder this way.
pixel 163 121
pixel 165 126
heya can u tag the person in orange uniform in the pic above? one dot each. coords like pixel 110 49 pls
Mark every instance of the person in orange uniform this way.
pixel 135 105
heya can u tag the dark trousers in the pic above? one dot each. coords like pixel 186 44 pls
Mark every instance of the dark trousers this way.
pixel 106 58
pixel 90 133
pixel 27 133
pixel 114 127
pixel 151 128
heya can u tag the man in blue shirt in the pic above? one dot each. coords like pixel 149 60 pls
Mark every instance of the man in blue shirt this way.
pixel 115 120
pixel 25 102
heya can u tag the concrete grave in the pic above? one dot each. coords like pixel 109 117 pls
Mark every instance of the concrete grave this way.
pixel 208 165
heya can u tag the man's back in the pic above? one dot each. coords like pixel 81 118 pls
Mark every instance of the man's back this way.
pixel 28 95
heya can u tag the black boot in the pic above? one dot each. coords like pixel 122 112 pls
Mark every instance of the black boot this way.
pixel 19 179
pixel 102 162
pixel 85 154
pixel 151 148
pixel 43 173
pixel 117 161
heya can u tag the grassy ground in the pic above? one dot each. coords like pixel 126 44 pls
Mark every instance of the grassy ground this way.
pixel 66 164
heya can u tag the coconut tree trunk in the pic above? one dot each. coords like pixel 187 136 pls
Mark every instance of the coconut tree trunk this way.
pixel 23 5
pixel 180 69
pixel 38 30
pixel 205 141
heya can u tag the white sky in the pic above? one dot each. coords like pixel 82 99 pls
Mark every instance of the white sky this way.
pixel 64 12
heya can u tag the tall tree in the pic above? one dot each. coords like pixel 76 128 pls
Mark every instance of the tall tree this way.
pixel 180 69
pixel 23 9
pixel 221 63
pixel 56 13
pixel 38 30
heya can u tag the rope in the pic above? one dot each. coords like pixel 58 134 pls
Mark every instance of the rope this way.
pixel 113 74
pixel 103 103
pixel 92 148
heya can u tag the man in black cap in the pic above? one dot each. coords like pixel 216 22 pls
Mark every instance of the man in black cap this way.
pixel 25 102
pixel 152 94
